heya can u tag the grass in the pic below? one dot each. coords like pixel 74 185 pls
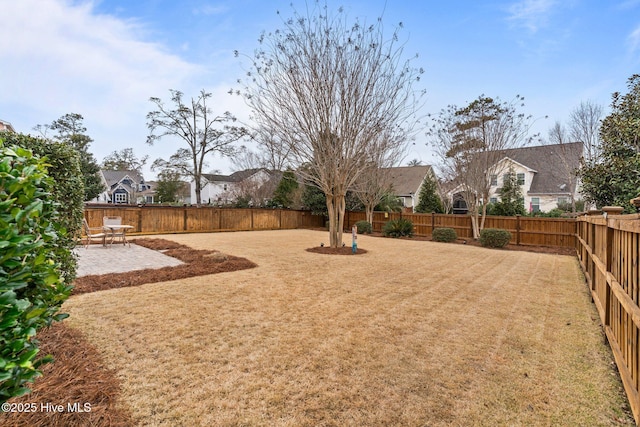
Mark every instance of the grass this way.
pixel 410 333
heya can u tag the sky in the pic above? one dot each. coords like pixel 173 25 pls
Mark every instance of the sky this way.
pixel 104 59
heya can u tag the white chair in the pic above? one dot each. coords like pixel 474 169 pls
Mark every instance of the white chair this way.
pixel 92 233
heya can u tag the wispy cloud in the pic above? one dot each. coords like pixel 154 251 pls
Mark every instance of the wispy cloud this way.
pixel 628 4
pixel 210 9
pixel 634 39
pixel 531 14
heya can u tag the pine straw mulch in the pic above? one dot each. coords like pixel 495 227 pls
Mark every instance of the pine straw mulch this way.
pixel 78 374
pixel 345 250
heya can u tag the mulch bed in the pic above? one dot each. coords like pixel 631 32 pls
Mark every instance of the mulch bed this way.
pixel 346 250
pixel 78 374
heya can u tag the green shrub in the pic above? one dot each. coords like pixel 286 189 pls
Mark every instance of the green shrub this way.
pixel 68 191
pixel 364 227
pixel 444 235
pixel 494 237
pixel 398 228
pixel 32 288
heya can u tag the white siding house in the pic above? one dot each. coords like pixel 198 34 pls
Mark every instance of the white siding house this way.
pixel 224 189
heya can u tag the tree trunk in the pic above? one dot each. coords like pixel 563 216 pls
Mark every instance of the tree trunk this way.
pixel 474 225
pixel 368 209
pixel 336 207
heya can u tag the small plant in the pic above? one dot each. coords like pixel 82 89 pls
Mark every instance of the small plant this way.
pixel 494 238
pixel 444 235
pixel 398 228
pixel 364 227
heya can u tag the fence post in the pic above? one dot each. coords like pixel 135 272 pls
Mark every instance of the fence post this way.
pixel 608 258
pixel 433 221
pixel 517 229
pixel 184 219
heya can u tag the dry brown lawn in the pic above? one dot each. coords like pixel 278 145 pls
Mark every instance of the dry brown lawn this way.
pixel 410 333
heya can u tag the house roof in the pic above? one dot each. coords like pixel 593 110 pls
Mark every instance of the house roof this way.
pixel 238 176
pixel 551 162
pixel 113 177
pixel 4 125
pixel 406 180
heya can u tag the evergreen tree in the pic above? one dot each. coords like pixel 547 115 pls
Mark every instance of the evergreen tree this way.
pixel 511 199
pixel 71 131
pixel 428 198
pixel 613 178
pixel 169 186
pixel 284 192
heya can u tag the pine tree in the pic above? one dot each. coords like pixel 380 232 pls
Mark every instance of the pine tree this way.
pixel 283 194
pixel 428 199
pixel 511 200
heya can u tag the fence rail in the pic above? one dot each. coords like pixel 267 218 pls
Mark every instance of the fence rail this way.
pixel 524 230
pixel 608 249
pixel 170 219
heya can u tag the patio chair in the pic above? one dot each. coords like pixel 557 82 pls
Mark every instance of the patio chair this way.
pixel 117 232
pixel 92 233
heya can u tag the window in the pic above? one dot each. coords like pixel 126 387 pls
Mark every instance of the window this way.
pixel 494 179
pixel 563 200
pixel 120 198
pixel 535 204
pixel 505 178
pixel 493 200
pixel 520 177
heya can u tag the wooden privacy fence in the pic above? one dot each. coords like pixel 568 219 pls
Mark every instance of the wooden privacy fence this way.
pixel 524 230
pixel 608 248
pixel 181 219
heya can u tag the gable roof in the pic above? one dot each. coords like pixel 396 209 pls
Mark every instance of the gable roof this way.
pixel 406 180
pixel 551 162
pixel 6 126
pixel 237 176
pixel 113 177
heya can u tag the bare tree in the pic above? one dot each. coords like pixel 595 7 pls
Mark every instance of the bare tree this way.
pixel 330 92
pixel 471 142
pixel 195 124
pixel 567 154
pixel 584 126
pixel 414 162
pixel 375 179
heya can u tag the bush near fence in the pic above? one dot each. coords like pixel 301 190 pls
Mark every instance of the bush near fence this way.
pixel 524 230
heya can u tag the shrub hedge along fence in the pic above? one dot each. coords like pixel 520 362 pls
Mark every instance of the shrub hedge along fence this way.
pixel 32 281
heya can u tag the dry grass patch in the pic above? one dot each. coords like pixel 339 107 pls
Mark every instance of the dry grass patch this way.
pixel 410 333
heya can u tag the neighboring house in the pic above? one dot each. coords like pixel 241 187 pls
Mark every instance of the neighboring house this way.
pixel 406 182
pixel 545 174
pixel 224 189
pixel 124 187
pixel 6 126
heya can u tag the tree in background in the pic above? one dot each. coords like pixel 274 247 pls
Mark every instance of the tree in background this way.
pixel 329 91
pixel 584 126
pixel 124 160
pixel 194 123
pixel 428 199
pixel 613 178
pixel 511 199
pixel 70 130
pixel 471 141
pixel 569 157
pixel 284 194
pixel 169 187
pixel 414 162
